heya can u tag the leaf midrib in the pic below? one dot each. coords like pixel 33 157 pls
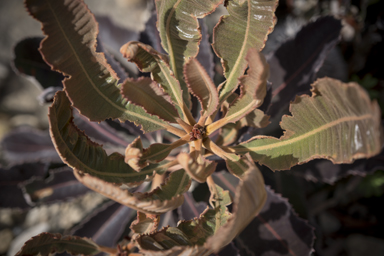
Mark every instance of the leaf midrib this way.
pixel 282 143
pixel 240 56
pixel 124 110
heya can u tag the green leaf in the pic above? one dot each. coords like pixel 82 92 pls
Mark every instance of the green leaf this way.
pixel 164 198
pixel 247 26
pixel 250 198
pixel 148 59
pixel 146 93
pixel 179 31
pixel 145 223
pixel 198 170
pixel 189 233
pixel 253 91
pixel 45 243
pixel 228 134
pixel 69 48
pixel 201 86
pixel 338 122
pixel 81 154
pixel 216 227
pixel 256 118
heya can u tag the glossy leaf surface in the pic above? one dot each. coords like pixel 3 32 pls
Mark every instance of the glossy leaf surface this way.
pixel 179 31
pixel 201 86
pixel 247 26
pixel 147 94
pixel 162 199
pixel 339 122
pixel 69 46
pixel 46 243
pixel 80 153
pixel 253 90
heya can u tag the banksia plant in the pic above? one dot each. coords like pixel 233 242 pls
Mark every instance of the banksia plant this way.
pixel 337 122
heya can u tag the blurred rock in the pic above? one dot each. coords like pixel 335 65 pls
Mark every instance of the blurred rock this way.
pixel 19 241
pixel 6 237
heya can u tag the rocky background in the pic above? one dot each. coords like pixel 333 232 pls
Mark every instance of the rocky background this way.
pixel 347 216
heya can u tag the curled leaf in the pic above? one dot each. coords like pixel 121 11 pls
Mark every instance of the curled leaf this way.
pixel 339 123
pixel 179 31
pixel 234 36
pixel 198 171
pixel 162 199
pixel 147 94
pixel 45 243
pixel 70 47
pixel 253 90
pixel 145 223
pixel 201 86
pixel 83 155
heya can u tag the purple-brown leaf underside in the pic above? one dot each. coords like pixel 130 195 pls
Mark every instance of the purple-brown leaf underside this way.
pixel 29 61
pixel 205 55
pixel 70 47
pixel 46 243
pixel 28 145
pixel 146 93
pixel 60 185
pixel 325 171
pixel 338 122
pixel 11 194
pixel 295 63
pixel 80 153
pixel 190 208
pixel 166 197
pixel 105 225
pixel 277 230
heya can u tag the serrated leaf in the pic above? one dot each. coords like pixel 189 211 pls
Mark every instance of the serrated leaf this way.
pixel 253 91
pixel 338 122
pixel 275 230
pixel 46 243
pixel 69 47
pixel 201 86
pixel 198 170
pixel 188 234
pixel 149 60
pixel 133 154
pixel 179 31
pixel 256 119
pixel 146 93
pixel 247 26
pixel 81 154
pixel 162 199
pixel 250 198
pixel 145 223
